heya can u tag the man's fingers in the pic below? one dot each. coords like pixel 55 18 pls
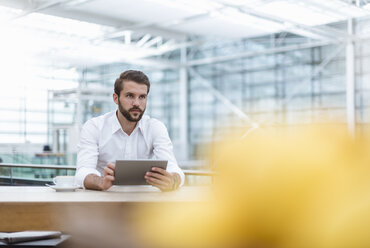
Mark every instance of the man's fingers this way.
pixel 161 171
pixel 111 166
pixel 108 171
pixel 154 182
pixel 158 176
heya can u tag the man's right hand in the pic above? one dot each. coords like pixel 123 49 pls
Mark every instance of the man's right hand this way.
pixel 101 183
pixel 108 178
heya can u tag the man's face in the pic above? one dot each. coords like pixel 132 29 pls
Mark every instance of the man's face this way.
pixel 132 100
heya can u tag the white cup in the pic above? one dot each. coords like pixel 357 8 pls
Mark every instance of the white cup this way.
pixel 64 181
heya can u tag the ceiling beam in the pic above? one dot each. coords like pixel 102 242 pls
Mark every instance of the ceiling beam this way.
pixel 116 23
pixel 288 25
pixel 63 8
pixel 143 40
pixel 42 7
pixel 17 4
pixel 152 42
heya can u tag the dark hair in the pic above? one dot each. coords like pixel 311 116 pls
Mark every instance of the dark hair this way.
pixel 130 75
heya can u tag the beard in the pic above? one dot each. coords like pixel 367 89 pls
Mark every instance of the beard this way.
pixel 127 114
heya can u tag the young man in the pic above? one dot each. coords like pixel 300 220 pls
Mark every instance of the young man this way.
pixel 126 134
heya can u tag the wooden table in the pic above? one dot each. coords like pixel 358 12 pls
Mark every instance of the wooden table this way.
pixel 92 217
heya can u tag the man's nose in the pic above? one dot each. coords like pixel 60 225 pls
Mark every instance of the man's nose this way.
pixel 136 101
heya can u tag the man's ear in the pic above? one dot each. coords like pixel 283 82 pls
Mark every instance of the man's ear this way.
pixel 115 98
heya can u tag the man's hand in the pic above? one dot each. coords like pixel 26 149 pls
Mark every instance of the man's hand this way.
pixel 162 179
pixel 101 183
pixel 108 178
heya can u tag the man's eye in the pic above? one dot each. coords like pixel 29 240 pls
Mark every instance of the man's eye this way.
pixel 129 96
pixel 142 97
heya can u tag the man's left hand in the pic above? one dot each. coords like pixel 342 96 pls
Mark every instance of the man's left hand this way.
pixel 162 179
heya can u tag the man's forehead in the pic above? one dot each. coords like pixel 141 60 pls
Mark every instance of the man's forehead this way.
pixel 131 86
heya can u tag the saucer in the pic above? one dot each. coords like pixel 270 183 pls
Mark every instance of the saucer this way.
pixel 63 188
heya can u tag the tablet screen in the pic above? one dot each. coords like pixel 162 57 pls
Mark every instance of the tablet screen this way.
pixel 132 172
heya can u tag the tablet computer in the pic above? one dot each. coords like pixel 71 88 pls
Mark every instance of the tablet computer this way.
pixel 132 172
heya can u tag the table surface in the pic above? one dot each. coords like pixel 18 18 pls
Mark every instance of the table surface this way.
pixel 31 194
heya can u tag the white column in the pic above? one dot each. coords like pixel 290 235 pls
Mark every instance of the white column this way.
pixel 350 82
pixel 184 106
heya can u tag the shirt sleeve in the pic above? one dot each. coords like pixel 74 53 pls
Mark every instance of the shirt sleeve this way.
pixel 163 149
pixel 87 153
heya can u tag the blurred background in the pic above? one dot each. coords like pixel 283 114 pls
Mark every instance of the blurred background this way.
pixel 216 66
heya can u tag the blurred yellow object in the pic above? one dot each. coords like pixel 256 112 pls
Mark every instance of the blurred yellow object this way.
pixel 302 187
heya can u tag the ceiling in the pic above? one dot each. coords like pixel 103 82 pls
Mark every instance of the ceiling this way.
pixel 126 30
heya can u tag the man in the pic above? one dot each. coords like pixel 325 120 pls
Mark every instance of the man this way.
pixel 126 134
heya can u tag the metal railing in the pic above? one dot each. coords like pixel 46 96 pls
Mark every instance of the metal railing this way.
pixel 11 166
pixel 39 166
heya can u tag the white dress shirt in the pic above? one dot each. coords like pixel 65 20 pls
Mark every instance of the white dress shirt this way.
pixel 102 140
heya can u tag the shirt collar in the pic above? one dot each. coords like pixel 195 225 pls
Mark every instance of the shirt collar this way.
pixel 115 123
pixel 117 126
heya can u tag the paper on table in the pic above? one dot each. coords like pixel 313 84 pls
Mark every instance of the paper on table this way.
pixel 16 237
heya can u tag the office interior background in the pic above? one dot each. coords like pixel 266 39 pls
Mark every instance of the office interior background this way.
pixel 216 66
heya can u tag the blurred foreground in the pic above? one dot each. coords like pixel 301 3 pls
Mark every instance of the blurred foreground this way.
pixel 301 187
